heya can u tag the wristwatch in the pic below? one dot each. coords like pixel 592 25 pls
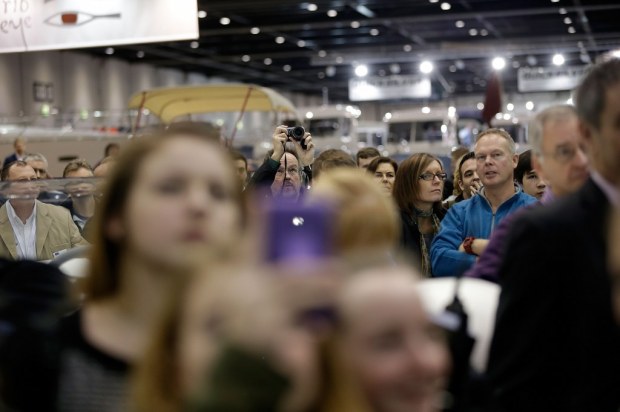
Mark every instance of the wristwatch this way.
pixel 467 244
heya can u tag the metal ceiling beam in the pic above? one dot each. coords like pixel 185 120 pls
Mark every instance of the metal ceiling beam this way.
pixel 409 19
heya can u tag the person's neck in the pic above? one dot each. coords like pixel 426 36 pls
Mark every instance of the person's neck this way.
pixel 23 209
pixel 121 325
pixel 498 195
pixel 424 207
pixel 84 206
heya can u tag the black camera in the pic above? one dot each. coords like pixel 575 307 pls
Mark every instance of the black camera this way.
pixel 297 133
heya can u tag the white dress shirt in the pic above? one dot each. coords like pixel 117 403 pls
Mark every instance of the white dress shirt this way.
pixel 25 233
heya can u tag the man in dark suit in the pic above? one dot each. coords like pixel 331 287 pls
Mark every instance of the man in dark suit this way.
pixel 20 152
pixel 556 346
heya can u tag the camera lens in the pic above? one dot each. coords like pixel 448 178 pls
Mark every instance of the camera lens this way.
pixel 296 133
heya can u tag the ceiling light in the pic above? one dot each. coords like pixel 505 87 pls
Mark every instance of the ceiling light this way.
pixel 245 58
pixel 140 54
pixel 484 32
pixel 355 24
pixel 570 101
pixel 562 11
pixel 374 32
pixel 615 53
pixel 480 106
pixel 555 1
pixel 507 116
pixel 330 71
pixel 433 1
pixel 426 110
pixel 529 106
pixel 510 107
pixel 309 115
pixel 532 60
pixel 194 45
pixel 311 7
pixel 109 51
pixel 202 14
pixel 473 32
pixel 460 64
pixel 445 6
pixel 394 68
pixel 287 68
pixel 407 48
pixel 254 30
pixel 361 70
pixel 426 67
pixel 585 58
pixel 558 59
pixel 267 61
pixel 571 30
pixel 498 63
pixel 387 116
pixel 567 20
pixel 452 68
pixel 322 53
pixel 280 40
pixel 224 21
pixel 301 43
pixel 460 24
pixel 332 13
pixel 339 60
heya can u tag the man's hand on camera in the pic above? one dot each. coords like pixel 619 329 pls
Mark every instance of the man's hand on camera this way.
pixel 278 140
pixel 306 157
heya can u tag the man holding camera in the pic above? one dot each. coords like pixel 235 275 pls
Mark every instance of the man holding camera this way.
pixel 283 168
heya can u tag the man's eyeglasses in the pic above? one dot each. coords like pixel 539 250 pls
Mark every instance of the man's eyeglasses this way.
pixel 564 154
pixel 291 171
pixel 430 176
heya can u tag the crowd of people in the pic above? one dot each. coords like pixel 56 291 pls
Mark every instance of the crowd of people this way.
pixel 185 306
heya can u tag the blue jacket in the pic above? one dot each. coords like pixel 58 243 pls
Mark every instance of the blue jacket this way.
pixel 472 217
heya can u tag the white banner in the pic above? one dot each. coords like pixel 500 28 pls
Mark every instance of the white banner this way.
pixel 30 25
pixel 535 79
pixel 392 87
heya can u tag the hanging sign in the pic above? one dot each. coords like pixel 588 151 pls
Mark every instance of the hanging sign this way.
pixel 387 88
pixel 31 25
pixel 535 79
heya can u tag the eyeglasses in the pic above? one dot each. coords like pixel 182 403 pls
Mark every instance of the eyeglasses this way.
pixel 565 153
pixel 291 171
pixel 428 176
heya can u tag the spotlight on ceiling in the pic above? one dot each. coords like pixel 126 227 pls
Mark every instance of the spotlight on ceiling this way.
pixel 361 70
pixel 498 63
pixel 558 59
pixel 426 67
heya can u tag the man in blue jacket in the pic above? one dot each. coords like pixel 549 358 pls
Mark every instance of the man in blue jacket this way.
pixel 466 229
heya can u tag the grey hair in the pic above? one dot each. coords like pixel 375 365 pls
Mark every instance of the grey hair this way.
pixel 37 157
pixel 591 94
pixel 500 132
pixel 553 114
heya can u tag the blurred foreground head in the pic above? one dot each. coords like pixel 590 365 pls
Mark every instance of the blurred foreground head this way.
pixel 172 198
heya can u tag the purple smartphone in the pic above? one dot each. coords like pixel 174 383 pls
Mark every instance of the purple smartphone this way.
pixel 298 232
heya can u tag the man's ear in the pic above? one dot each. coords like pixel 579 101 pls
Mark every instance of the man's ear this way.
pixel 460 183
pixel 515 160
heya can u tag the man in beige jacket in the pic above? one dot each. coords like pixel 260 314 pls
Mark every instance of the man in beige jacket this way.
pixel 30 229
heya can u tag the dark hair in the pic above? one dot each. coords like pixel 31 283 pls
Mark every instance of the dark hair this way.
pixel 75 165
pixel 407 183
pixel 366 153
pixel 104 278
pixel 591 94
pixel 374 165
pixel 331 158
pixel 239 156
pixel 464 158
pixel 524 166
pixel 109 147
pixel 4 175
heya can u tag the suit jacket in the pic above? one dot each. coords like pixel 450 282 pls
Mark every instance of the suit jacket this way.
pixel 556 346
pixel 55 232
pixel 9 159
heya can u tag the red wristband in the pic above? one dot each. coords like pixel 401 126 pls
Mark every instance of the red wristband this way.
pixel 467 244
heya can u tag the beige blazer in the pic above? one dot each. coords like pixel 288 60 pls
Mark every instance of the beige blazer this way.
pixel 55 232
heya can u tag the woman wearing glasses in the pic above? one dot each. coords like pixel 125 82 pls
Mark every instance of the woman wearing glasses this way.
pixel 418 190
